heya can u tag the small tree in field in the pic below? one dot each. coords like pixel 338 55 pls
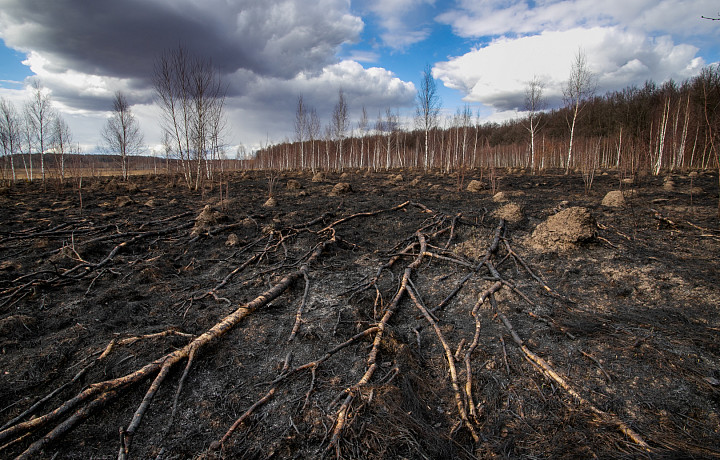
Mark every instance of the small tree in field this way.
pixel 339 125
pixel 301 128
pixel 191 95
pixel 428 107
pixel 39 116
pixel 10 133
pixel 579 88
pixel 61 143
pixel 121 133
pixel 534 104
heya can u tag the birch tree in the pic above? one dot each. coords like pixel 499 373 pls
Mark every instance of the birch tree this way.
pixel 61 143
pixel 301 127
pixel 40 116
pixel 427 109
pixel 191 97
pixel 534 104
pixel 121 134
pixel 339 125
pixel 579 88
pixel 10 133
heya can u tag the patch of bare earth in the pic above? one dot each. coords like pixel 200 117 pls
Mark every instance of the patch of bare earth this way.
pixel 406 319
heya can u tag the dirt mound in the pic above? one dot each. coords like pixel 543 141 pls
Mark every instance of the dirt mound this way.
pixel 16 325
pixel 270 203
pixel 511 212
pixel 232 240
pixel 614 199
pixel 122 201
pixel 293 184
pixel 475 186
pixel 565 230
pixel 207 218
pixel 341 188
pixel 499 197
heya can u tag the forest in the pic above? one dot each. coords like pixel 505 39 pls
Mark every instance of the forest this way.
pixel 653 128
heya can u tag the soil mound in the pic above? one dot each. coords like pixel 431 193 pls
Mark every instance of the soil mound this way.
pixel 341 188
pixel 270 203
pixel 565 230
pixel 293 184
pixel 232 240
pixel 499 197
pixel 16 325
pixel 206 219
pixel 123 201
pixel 511 212
pixel 614 199
pixel 475 186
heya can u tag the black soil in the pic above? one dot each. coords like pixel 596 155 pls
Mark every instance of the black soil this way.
pixel 628 318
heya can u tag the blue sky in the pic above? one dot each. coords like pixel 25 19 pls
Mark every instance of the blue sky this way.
pixel 482 53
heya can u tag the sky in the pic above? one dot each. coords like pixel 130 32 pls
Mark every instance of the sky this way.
pixel 482 53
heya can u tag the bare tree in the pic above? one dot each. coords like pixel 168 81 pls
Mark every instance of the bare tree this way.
pixel 362 125
pixel 313 134
pixel 301 127
pixel 10 133
pixel 121 134
pixel 339 124
pixel 61 143
pixel 534 104
pixel 191 97
pixel 708 93
pixel 579 88
pixel 40 116
pixel 428 108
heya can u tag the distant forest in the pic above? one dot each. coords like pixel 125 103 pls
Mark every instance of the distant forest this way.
pixel 654 128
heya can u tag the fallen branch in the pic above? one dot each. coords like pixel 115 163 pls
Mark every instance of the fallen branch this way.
pixel 99 393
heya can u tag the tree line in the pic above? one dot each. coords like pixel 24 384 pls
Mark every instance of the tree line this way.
pixel 656 128
pixel 191 98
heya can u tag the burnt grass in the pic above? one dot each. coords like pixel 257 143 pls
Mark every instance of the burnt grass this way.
pixel 631 323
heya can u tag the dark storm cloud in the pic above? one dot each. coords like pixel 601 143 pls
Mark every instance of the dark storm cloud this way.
pixel 122 38
pixel 267 52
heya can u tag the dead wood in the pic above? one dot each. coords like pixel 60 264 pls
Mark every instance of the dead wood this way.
pixel 553 375
pixel 99 393
pixel 383 367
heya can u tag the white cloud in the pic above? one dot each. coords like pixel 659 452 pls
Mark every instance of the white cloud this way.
pixel 472 18
pixel 269 104
pixel 401 21
pixel 497 74
pixel 267 52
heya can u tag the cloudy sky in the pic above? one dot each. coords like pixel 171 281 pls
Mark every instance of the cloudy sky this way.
pixel 482 52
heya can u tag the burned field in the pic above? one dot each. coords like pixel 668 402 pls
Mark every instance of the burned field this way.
pixel 394 318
